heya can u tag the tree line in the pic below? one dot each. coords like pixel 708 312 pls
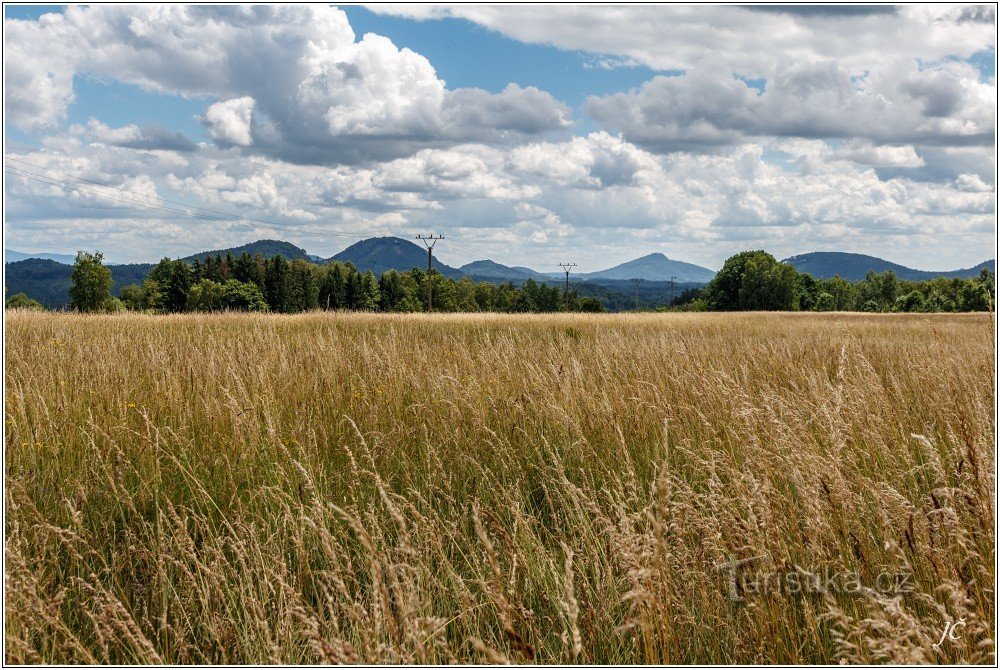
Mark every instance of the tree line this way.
pixel 256 284
pixel 755 280
pixel 750 280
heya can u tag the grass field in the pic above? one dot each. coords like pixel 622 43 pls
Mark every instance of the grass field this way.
pixel 366 488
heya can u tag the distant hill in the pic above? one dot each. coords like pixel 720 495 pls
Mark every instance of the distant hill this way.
pixel 854 267
pixel 48 282
pixel 654 267
pixel 266 248
pixel 12 256
pixel 491 271
pixel 380 254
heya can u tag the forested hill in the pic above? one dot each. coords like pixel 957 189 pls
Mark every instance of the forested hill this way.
pixel 381 254
pixel 854 267
pixel 264 248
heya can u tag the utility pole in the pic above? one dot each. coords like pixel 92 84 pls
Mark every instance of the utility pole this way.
pixel 672 290
pixel 429 242
pixel 566 268
pixel 636 281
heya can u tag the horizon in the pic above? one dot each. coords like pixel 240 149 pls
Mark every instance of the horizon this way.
pixel 460 265
pixel 527 135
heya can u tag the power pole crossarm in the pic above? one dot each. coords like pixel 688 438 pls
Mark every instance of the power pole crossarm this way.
pixel 429 242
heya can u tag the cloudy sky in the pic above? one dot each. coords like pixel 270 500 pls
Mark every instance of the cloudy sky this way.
pixel 530 135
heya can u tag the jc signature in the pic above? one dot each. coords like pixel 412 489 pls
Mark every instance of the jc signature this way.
pixel 950 632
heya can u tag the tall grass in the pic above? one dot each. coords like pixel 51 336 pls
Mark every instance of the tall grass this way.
pixel 413 489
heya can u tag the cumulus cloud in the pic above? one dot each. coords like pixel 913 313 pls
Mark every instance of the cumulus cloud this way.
pixel 900 103
pixel 604 200
pixel 753 41
pixel 880 156
pixel 230 121
pixel 323 97
pixel 149 138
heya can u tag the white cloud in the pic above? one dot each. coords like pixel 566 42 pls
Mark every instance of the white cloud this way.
pixel 756 41
pixel 866 153
pixel 604 201
pixel 323 98
pixel 231 121
pixel 899 103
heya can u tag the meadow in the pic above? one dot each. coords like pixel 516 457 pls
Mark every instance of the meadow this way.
pixel 226 488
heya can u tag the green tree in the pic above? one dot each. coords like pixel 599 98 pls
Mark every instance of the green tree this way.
pixel 844 292
pixel 879 288
pixel 589 305
pixel 205 296
pixel 242 297
pixel 974 296
pixel 753 280
pixel 173 280
pixel 22 301
pixel 911 302
pixel 91 290
pixel 131 297
pixel 825 302
pixel 276 284
pixel 367 298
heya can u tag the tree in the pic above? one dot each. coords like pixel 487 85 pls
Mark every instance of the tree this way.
pixel 276 281
pixel 844 293
pixel 173 280
pixel 911 302
pixel 809 291
pixel 91 290
pixel 131 297
pixel 974 296
pixel 205 296
pixel 333 287
pixel 879 288
pixel 753 280
pixel 367 297
pixel 22 301
pixel 590 305
pixel 303 291
pixel 242 297
pixel 825 302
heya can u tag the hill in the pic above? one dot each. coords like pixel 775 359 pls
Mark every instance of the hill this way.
pixel 266 248
pixel 48 282
pixel 854 267
pixel 488 270
pixel 654 267
pixel 380 254
pixel 12 256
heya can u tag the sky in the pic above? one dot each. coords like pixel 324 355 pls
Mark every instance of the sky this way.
pixel 531 135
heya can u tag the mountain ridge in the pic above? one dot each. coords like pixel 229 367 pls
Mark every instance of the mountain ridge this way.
pixel 380 254
pixel 854 267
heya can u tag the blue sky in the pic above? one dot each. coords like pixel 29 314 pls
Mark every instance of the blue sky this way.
pixel 600 132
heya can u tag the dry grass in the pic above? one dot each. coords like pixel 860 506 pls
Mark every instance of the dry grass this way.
pixel 360 488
